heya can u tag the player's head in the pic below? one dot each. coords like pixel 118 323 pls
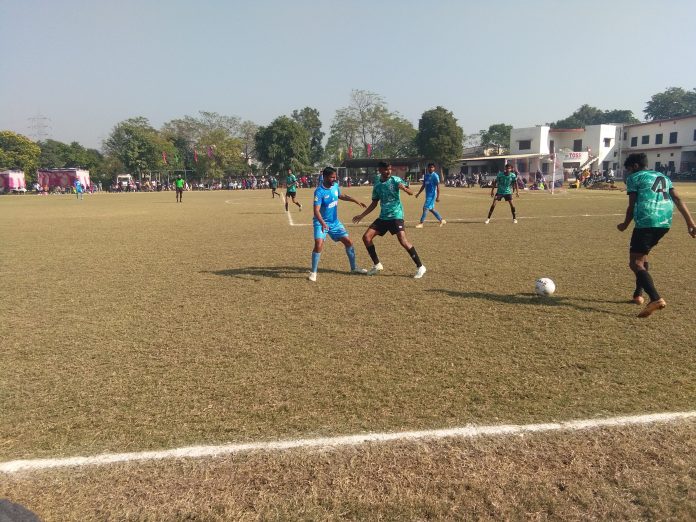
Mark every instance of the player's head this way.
pixel 329 176
pixel 179 176
pixel 636 161
pixel 289 170
pixel 508 168
pixel 431 167
pixel 384 169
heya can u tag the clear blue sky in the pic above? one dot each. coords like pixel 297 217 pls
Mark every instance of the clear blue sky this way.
pixel 88 64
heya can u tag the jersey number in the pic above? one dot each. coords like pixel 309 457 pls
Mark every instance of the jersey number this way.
pixel 660 185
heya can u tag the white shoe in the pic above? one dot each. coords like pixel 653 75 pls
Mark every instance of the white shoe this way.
pixel 300 208
pixel 312 276
pixel 443 222
pixel 419 225
pixel 487 221
pixel 420 273
pixel 514 221
pixel 359 271
pixel 375 269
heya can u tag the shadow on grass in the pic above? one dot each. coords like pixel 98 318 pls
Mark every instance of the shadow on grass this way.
pixel 275 272
pixel 531 299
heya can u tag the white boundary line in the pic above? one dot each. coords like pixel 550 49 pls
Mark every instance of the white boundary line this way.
pixel 466 432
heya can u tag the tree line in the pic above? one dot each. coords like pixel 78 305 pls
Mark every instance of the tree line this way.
pixel 213 145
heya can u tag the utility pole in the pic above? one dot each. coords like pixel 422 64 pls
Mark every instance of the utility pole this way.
pixel 39 126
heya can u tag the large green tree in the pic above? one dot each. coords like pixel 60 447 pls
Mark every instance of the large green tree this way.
pixel 138 146
pixel 19 152
pixel 439 137
pixel 283 144
pixel 309 119
pixel 671 103
pixel 587 115
pixel 222 155
pixel 497 136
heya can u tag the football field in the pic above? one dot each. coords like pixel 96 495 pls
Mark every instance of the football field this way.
pixel 130 323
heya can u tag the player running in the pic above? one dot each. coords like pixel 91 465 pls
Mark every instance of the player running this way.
pixel 651 201
pixel 505 182
pixel 273 183
pixel 291 189
pixel 79 189
pixel 391 217
pixel 326 221
pixel 431 184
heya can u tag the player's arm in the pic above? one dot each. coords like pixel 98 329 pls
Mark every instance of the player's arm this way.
pixel 346 197
pixel 317 216
pixel 517 186
pixel 494 186
pixel 405 189
pixel 684 210
pixel 421 188
pixel 437 195
pixel 632 196
pixel 369 209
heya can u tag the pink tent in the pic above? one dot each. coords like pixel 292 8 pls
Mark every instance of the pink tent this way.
pixel 62 177
pixel 12 180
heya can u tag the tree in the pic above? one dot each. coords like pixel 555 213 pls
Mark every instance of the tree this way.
pixel 309 119
pixel 397 139
pixel 587 115
pixel 283 144
pixel 498 136
pixel 439 137
pixel 223 154
pixel 137 145
pixel 19 152
pixel 671 103
pixel 343 136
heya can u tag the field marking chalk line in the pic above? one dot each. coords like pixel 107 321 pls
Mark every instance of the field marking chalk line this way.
pixel 466 432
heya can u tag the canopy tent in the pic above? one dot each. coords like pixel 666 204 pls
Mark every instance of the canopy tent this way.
pixel 65 178
pixel 12 180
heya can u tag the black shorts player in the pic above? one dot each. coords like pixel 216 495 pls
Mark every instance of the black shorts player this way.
pixel 382 226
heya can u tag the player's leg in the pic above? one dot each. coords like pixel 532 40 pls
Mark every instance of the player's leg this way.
pixel 350 252
pixel 490 211
pixel 403 240
pixel 638 292
pixel 316 252
pixel 423 216
pixel 637 262
pixel 368 238
pixel 287 195
pixel 295 201
pixel 437 216
pixel 513 210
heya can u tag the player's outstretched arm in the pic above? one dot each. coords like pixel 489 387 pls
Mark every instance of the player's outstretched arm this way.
pixel 405 189
pixel 369 209
pixel 346 197
pixel 629 212
pixel 684 210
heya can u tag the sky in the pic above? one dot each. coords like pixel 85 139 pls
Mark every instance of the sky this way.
pixel 86 65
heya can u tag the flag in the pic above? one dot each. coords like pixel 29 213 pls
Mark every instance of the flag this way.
pixel 340 155
pixel 369 149
pixel 176 157
pixel 164 158
pixel 210 151
pixel 350 152
pixel 195 155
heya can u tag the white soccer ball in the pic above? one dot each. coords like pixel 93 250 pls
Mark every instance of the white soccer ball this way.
pixel 544 286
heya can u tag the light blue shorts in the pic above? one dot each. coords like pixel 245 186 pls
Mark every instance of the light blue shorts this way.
pixel 336 231
pixel 429 203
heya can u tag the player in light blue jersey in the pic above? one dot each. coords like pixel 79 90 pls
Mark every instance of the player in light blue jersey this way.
pixel 431 185
pixel 326 221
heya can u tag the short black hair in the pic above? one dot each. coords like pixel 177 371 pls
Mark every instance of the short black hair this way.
pixel 431 165
pixel 383 165
pixel 637 157
pixel 328 170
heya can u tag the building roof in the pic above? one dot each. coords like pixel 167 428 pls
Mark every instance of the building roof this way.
pixel 659 121
pixel 504 156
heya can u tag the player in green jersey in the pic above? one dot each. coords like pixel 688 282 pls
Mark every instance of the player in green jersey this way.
pixel 273 183
pixel 179 185
pixel 505 182
pixel 651 202
pixel 291 189
pixel 391 217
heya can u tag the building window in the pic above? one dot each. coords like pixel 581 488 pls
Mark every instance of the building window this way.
pixel 625 135
pixel 634 141
pixel 644 140
pixel 577 145
pixel 614 153
pixel 525 144
pixel 673 137
pixel 694 134
pixel 607 142
pixel 658 155
pixel 658 139
pixel 552 145
pixel 544 168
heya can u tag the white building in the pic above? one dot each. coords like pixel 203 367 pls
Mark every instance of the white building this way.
pixel 669 144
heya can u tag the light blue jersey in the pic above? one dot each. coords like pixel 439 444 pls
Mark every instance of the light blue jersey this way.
pixel 327 201
pixel 431 181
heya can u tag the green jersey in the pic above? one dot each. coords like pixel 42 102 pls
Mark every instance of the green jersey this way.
pixel 505 182
pixel 653 207
pixel 291 183
pixel 274 182
pixel 387 193
pixel 179 183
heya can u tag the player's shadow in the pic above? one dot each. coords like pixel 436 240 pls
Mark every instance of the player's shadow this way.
pixel 527 299
pixel 274 272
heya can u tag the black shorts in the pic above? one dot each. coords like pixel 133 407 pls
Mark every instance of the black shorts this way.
pixel 290 195
pixel 644 239
pixel 382 226
pixel 506 197
pixel 179 190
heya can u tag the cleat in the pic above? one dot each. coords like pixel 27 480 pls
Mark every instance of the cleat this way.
pixel 300 208
pixel 359 271
pixel 653 306
pixel 443 222
pixel 514 220
pixel 419 225
pixel 375 269
pixel 638 300
pixel 420 272
pixel 312 276
pixel 487 221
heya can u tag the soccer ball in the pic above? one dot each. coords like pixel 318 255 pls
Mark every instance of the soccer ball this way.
pixel 544 286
